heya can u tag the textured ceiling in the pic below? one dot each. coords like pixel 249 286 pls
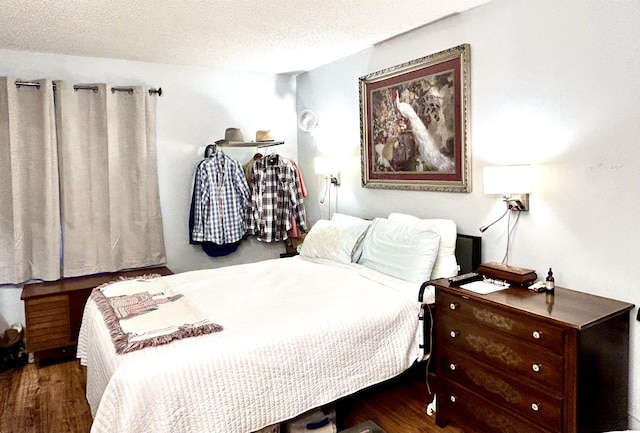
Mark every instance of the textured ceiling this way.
pixel 276 36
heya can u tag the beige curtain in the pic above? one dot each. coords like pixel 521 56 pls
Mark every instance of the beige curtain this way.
pixel 78 181
pixel 29 205
pixel 110 205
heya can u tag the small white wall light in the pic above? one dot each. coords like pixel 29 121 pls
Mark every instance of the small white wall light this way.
pixel 329 167
pixel 513 182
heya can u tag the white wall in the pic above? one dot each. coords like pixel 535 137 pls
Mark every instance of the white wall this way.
pixel 196 107
pixel 553 83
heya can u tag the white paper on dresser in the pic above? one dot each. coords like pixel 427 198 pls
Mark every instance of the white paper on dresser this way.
pixel 483 287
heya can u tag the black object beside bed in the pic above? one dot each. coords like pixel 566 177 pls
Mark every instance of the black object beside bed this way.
pixel 468 252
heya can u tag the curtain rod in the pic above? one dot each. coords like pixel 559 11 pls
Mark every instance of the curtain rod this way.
pixel 77 87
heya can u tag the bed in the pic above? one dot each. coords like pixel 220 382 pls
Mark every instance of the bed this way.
pixel 296 333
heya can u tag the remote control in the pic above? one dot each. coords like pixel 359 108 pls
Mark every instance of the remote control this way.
pixel 464 278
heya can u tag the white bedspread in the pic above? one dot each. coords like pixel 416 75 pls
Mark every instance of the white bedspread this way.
pixel 298 333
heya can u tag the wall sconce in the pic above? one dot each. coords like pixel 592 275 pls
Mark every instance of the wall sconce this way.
pixel 513 182
pixel 329 167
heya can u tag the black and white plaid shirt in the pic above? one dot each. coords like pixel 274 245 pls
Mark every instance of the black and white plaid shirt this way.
pixel 221 195
pixel 276 197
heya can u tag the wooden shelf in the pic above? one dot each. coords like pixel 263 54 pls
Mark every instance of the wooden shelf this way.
pixel 253 144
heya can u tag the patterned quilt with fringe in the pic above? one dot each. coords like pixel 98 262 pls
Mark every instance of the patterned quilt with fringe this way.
pixel 155 316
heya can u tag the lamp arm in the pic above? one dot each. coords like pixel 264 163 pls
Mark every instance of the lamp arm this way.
pixel 327 185
pixel 484 228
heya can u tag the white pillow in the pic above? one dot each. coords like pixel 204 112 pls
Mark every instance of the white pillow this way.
pixel 357 252
pixel 333 240
pixel 344 217
pixel 446 264
pixel 400 250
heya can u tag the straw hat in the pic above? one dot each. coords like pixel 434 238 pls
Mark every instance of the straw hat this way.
pixel 264 136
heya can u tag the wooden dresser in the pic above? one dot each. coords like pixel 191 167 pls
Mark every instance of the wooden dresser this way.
pixel 516 361
pixel 53 311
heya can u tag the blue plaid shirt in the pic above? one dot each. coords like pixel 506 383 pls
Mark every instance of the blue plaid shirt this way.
pixel 276 196
pixel 220 199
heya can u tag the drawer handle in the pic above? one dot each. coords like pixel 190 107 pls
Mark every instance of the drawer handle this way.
pixel 536 367
pixel 454 305
pixel 453 398
pixel 452 367
pixel 537 335
pixel 454 334
pixel 535 407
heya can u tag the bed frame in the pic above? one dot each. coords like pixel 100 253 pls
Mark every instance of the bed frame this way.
pixel 108 396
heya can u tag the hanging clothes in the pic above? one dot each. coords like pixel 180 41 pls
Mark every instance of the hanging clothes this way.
pixel 192 208
pixel 219 202
pixel 210 248
pixel 276 196
pixel 248 166
pixel 295 232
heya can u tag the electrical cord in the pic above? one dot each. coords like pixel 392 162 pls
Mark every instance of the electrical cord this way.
pixel 510 231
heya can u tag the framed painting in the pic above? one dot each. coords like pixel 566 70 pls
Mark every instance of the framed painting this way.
pixel 414 124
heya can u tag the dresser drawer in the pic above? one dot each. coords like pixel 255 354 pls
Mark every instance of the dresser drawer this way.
pixel 497 354
pixel 512 323
pixel 478 414
pixel 503 352
pixel 506 390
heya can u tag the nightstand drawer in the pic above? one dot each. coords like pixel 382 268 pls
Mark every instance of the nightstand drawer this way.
pixel 48 305
pixel 529 401
pixel 512 323
pixel 37 326
pixel 47 320
pixel 480 414
pixel 46 342
pixel 504 353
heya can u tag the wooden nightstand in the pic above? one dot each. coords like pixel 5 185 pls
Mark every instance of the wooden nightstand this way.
pixel 519 361
pixel 53 311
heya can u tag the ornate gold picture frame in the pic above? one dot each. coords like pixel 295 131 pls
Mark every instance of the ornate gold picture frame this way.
pixel 414 124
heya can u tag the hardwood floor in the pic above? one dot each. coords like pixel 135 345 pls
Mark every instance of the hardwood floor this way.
pixel 397 406
pixel 46 400
pixel 51 400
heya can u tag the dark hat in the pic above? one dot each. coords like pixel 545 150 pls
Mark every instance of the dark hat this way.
pixel 231 136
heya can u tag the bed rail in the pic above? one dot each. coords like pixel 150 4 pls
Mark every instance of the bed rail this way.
pixel 468 256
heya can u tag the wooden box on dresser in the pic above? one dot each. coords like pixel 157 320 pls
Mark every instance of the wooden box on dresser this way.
pixel 53 311
pixel 516 361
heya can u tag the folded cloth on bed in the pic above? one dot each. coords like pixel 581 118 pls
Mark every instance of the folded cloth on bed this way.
pixel 138 319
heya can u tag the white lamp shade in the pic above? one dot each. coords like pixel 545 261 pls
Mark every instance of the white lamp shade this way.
pixel 508 179
pixel 326 165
